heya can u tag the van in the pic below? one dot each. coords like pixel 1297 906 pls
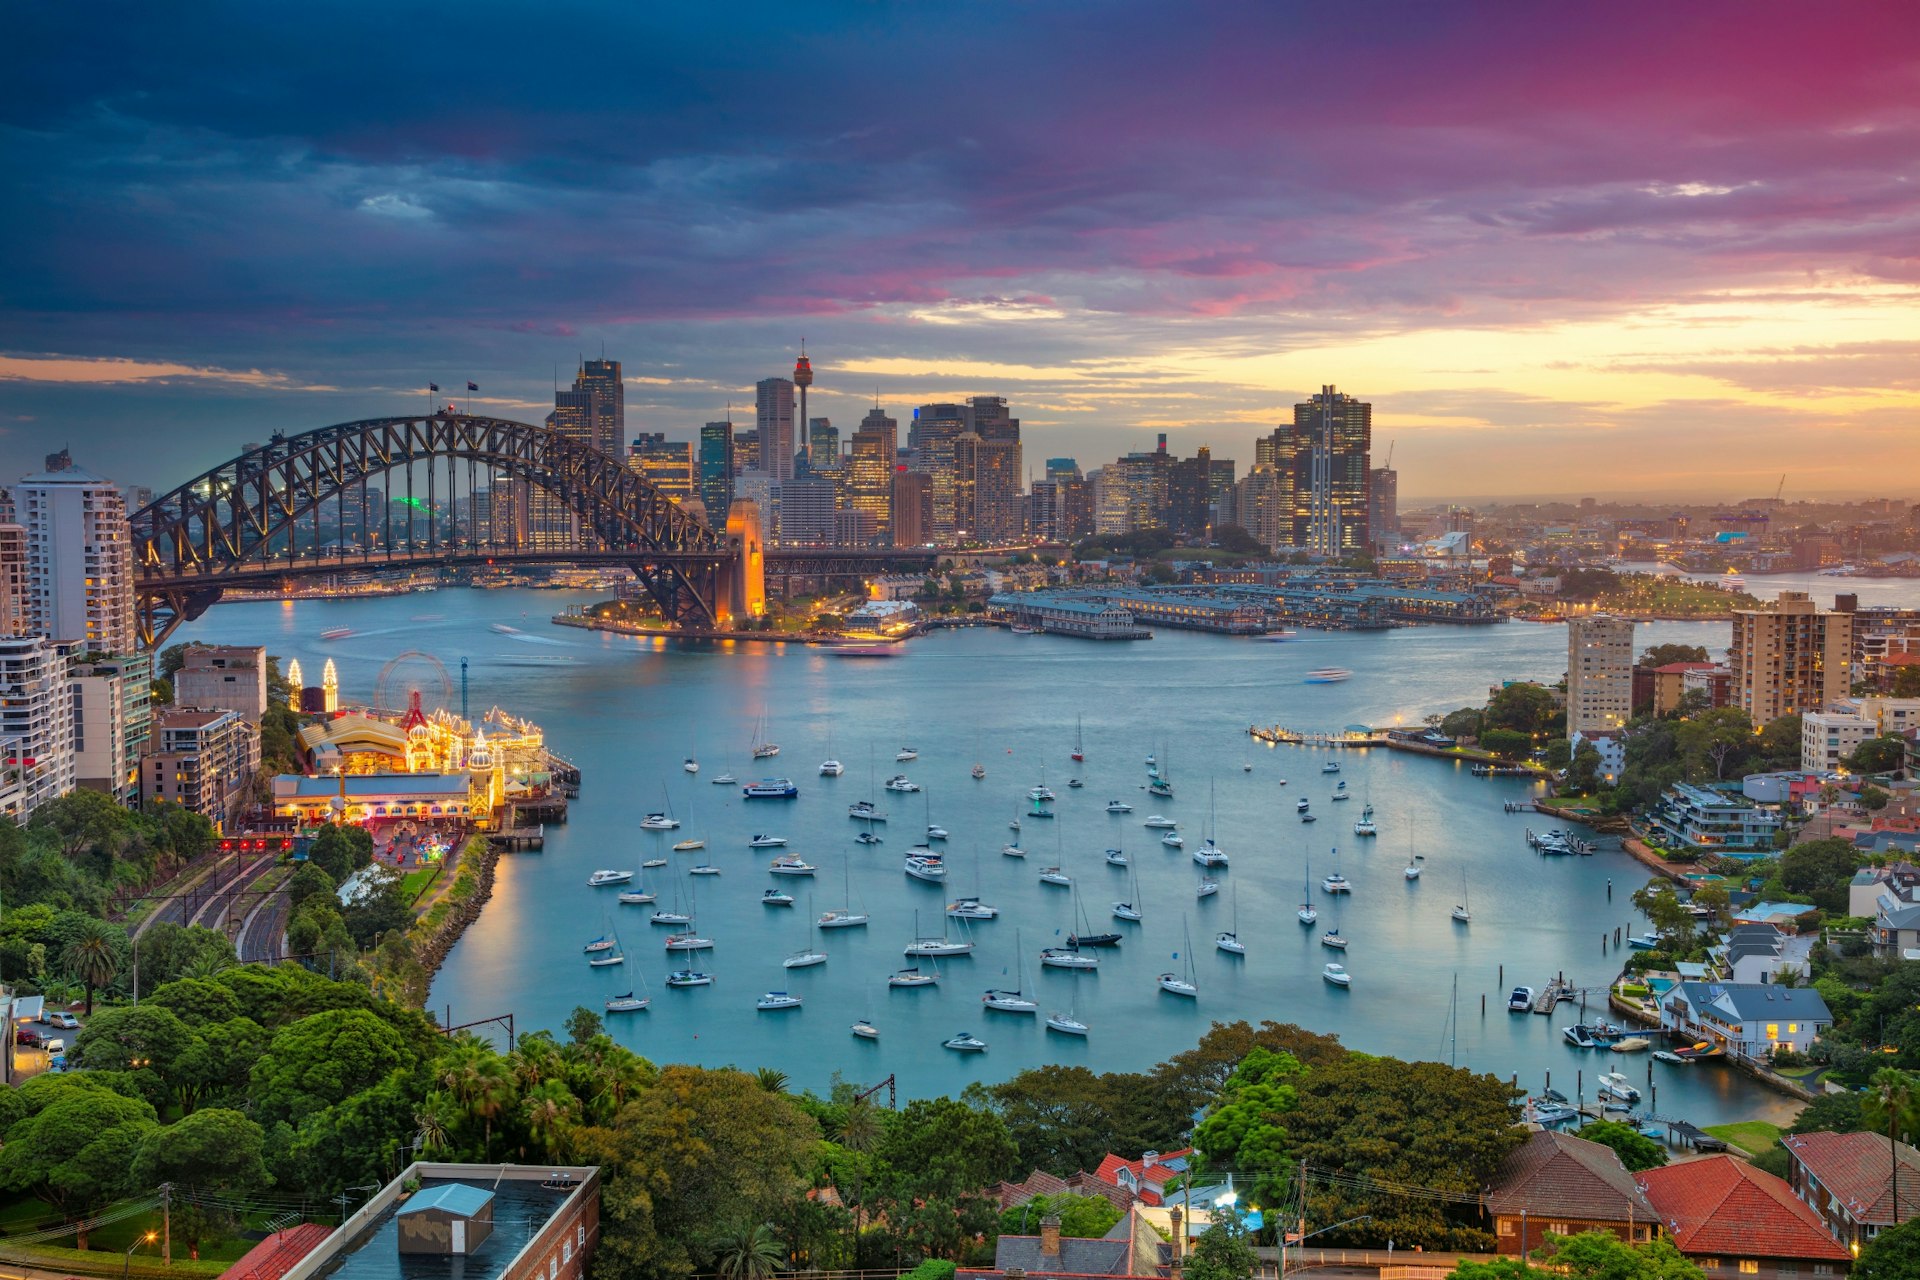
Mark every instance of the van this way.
pixel 54 1044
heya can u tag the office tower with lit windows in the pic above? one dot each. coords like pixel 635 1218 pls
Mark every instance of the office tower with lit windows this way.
pixel 823 444
pixel 930 438
pixel 868 479
pixel 666 464
pixel 716 470
pixel 773 421
pixel 987 489
pixel 746 452
pixel 1383 509
pixel 989 419
pixel 592 412
pixel 1332 434
pixel 912 508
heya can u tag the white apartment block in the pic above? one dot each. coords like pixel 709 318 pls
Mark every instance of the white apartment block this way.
pixel 1827 738
pixel 36 721
pixel 1599 674
pixel 79 559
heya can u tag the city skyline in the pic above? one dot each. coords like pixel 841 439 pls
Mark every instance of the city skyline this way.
pixel 1647 219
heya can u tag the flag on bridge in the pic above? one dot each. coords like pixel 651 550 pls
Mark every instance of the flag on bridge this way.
pixel 433 386
pixel 473 386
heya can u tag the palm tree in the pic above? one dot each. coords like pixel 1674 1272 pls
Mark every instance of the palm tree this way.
pixel 431 1131
pixel 747 1253
pixel 551 1111
pixel 492 1094
pixel 1895 1095
pixel 771 1079
pixel 859 1131
pixel 92 956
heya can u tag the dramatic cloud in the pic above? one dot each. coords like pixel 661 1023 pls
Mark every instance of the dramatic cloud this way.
pixel 1514 229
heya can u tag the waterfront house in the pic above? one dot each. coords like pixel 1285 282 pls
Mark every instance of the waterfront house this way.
pixel 1896 928
pixel 1555 1184
pixel 1848 1179
pixel 1751 1019
pixel 1711 821
pixel 1732 1219
pixel 1755 953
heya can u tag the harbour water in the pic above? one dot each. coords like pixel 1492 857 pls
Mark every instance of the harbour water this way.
pixel 629 711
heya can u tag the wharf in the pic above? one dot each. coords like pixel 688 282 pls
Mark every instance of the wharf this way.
pixel 518 839
pixel 1281 736
pixel 1552 994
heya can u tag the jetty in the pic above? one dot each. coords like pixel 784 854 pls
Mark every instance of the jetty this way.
pixel 1552 994
pixel 1278 735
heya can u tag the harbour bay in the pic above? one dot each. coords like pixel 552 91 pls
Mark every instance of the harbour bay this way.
pixel 629 711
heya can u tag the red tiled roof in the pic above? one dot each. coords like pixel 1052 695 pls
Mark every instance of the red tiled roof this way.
pixel 278 1254
pixel 1149 1177
pixel 1855 1168
pixel 1556 1173
pixel 1719 1205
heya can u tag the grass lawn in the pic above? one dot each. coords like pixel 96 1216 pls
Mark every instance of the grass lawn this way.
pixel 1755 1137
pixel 416 882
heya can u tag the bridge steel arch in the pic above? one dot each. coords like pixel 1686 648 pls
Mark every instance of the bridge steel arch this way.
pixel 237 524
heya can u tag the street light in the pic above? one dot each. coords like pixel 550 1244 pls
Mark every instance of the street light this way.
pixel 126 1259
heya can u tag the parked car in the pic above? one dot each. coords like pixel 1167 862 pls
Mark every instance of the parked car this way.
pixel 54 1044
pixel 64 1020
pixel 27 1036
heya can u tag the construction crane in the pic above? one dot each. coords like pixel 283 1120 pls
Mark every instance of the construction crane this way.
pixel 1780 489
pixel 1388 465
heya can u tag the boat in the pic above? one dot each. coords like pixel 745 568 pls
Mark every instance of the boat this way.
pixel 1074 784
pixel 1246 766
pixel 670 917
pixel 790 864
pixel 1331 766
pixel 628 1003
pixel 865 1030
pixel 690 765
pixel 936 832
pixel 831 768
pixel 1160 787
pixel 762 749
pixel 1328 675
pixel 1578 1036
pixel 688 940
pixel 1614 1085
pixel 965 1042
pixel 1365 827
pixel 658 822
pixel 636 897
pixel 1210 855
pixel 978 771
pixel 766 842
pixel 1066 1024
pixel 1206 888
pixel 1002 1000
pixel 651 863
pixel 1181 984
pixel 1307 914
pixel 927 946
pixel 1332 938
pixel 1119 806
pixel 1702 1049
pixel 1085 936
pixel 1079 751
pixel 1067 958
pixel 1228 940
pixel 1307 817
pixel 1013 850
pixel 336 633
pixel 689 978
pixel 1663 1055
pixel 1337 975
pixel 765 751
pixel 1055 876
pixel 1343 795
pixel 775 898
pixel 1334 882
pixel 1644 942
pixel 926 866
pixel 1014 825
pixel 1520 1000
pixel 1173 840
pixel 689 845
pixel 703 869
pixel 1413 868
pixel 1302 805
pixel 776 1000
pixel 1158 823
pixel 1040 793
pixel 912 977
pixel 1548 1114
pixel 1632 1044
pixel 606 959
pixel 1116 857
pixel 867 837
pixel 724 780
pixel 1128 910
pixel 906 753
pixel 971 909
pixel 600 879
pixel 599 944
pixel 1463 910
pixel 900 782
pixel 863 811
pixel 771 789
pixel 804 959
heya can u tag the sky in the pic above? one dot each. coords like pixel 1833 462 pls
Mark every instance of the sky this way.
pixel 1621 249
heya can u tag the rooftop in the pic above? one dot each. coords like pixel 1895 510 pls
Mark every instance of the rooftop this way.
pixel 368 1248
pixel 1855 1168
pixel 1556 1173
pixel 1720 1205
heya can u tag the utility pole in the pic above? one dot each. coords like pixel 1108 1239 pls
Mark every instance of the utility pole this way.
pixel 166 1224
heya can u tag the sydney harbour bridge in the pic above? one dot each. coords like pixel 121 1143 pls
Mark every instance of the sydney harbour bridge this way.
pixel 255 522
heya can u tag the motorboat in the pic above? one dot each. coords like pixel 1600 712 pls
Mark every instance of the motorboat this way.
pixel 703 869
pixel 1578 1036
pixel 804 959
pixel 1119 806
pixel 841 918
pixel 689 978
pixel 1074 784
pixel 1644 942
pixel 1340 785
pixel 775 898
pixel 1520 1000
pixel 1616 1086
pixel 906 753
pixel 691 765
pixel 1210 854
pixel 689 846
pixel 926 867
pixel 628 1003
pixel 1699 1050
pixel 867 837
pixel 1335 883
pixel 1663 1055
pixel 1116 858
pixel 1055 876
pixel 1126 911
pixel 1013 850
pixel 864 811
pixel 1334 939
pixel 901 783
pixel 771 789
pixel 1302 805
pixel 650 863
pixel 724 780
pixel 600 879
pixel 336 633
pixel 1632 1044
pixel 965 1042
pixel 1159 823
pixel 1173 840
pixel 688 941
pixel 776 1000
pixel 1328 675
pixel 865 1030
pixel 1331 766
pixel 1307 817
pixel 658 822
pixel 1337 975
pixel 767 842
pixel 971 909
pixel 912 977
pixel 1067 958
pixel 831 768
pixel 670 917
pixel 599 944
pixel 1343 795
pixel 1548 1114
pixel 791 864
pixel 1066 1024
pixel 1206 888
pixel 936 832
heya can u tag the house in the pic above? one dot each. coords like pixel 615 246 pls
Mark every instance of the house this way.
pixel 1848 1179
pixel 1132 1248
pixel 1896 929
pixel 1901 879
pixel 1724 823
pixel 1753 1019
pixel 1012 1195
pixel 1148 1176
pixel 1755 953
pixel 1555 1184
pixel 1732 1219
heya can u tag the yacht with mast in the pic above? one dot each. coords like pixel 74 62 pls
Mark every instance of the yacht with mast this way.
pixel 1182 984
pixel 1002 1000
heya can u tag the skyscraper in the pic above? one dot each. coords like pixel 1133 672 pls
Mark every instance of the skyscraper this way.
pixel 1790 657
pixel 1599 674
pixel 601 380
pixel 716 470
pixel 990 420
pixel 912 508
pixel 1335 432
pixel 987 489
pixel 935 427
pixel 1190 494
pixel 592 412
pixel 869 478
pixel 823 444
pixel 803 378
pixel 773 420
pixel 79 558
pixel 1383 508
pixel 666 464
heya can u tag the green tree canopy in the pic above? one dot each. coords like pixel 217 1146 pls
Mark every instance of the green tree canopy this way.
pixel 1223 1252
pixel 1894 1254
pixel 1508 744
pixel 1883 754
pixel 1247 1128
pixel 1522 707
pixel 1635 1150
pixel 1659 655
pixel 1081 1217
pixel 76 1152
pixel 320 1060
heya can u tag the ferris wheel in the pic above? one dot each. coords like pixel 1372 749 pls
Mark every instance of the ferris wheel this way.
pixel 414 671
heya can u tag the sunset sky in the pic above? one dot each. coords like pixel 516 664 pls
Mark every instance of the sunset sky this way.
pixel 1609 249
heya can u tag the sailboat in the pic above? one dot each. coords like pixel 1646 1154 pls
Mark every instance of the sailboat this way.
pixel 934 830
pixel 1462 910
pixel 979 770
pixel 1182 984
pixel 630 1003
pixel 691 843
pixel 1413 867
pixel 638 896
pixel 1086 937
pixel 805 958
pixel 1005 1001
pixel 692 763
pixel 609 956
pixel 1130 909
pixel 927 945
pixel 1229 939
pixel 1209 854
pixel 762 749
pixel 1065 1023
pixel 831 767
pixel 969 906
pixel 843 917
pixel 1079 750
pixel 1306 913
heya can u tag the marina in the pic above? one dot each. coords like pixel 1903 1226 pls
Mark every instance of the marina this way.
pixel 621 712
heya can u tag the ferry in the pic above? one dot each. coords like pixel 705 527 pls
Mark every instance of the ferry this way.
pixel 771 789
pixel 863 650
pixel 1328 675
pixel 336 633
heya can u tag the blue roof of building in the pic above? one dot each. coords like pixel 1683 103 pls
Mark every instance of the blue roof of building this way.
pixel 453 1197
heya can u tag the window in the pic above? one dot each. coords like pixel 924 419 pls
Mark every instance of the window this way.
pixel 1749 1266
pixel 1708 1264
pixel 1773 1031
pixel 580 1235
pixel 1506 1226
pixel 1823 1268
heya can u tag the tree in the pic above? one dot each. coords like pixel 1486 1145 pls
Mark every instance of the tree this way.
pixel 772 1079
pixel 747 1252
pixel 311 880
pixel 1637 1152
pixel 1894 1254
pixel 1246 1129
pixel 1906 682
pixel 1883 754
pixel 1558 753
pixel 1719 739
pixel 93 956
pixel 1232 537
pixel 148 1040
pixel 1661 905
pixel 76 1151
pixel 1222 1252
pixel 1780 742
pixel 932 1170
pixel 1829 1113
pixel 1522 707
pixel 1081 1217
pixel 583 1024
pixel 1892 1105
pixel 1601 1255
pixel 1660 655
pixel 1508 744
pixel 1464 723
pixel 211 1150
pixel 1583 771
pixel 320 1060
pixel 1821 869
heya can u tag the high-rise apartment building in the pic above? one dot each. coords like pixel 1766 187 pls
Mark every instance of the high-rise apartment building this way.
pixel 1790 657
pixel 716 470
pixel 202 760
pixel 1332 434
pixel 930 437
pixel 1262 502
pixel 16 583
pixel 112 719
pixel 746 452
pixel 1599 674
pixel 593 412
pixel 1196 487
pixel 868 482
pixel 773 420
pixel 988 418
pixel 1383 508
pixel 665 464
pixel 79 558
pixel 912 508
pixel 223 678
pixel 987 489
pixel 1131 493
pixel 36 720
pixel 823 444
